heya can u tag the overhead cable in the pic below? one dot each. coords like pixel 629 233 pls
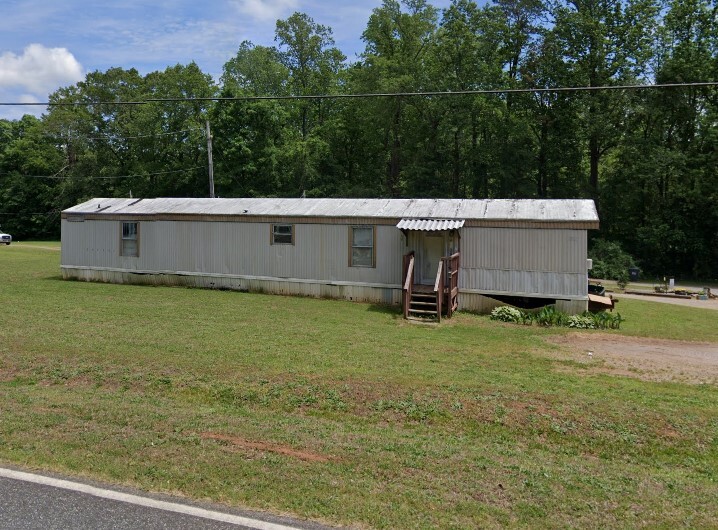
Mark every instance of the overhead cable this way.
pixel 490 91
pixel 57 177
pixel 112 136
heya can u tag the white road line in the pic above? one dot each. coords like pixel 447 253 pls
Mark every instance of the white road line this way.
pixel 143 501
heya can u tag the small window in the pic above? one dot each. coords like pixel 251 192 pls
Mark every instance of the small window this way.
pixel 282 234
pixel 362 246
pixel 130 247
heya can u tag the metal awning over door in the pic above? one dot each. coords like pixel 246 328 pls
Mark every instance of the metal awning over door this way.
pixel 430 225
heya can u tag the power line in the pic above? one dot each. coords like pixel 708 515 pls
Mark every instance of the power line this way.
pixel 57 177
pixel 491 91
pixel 111 136
pixel 54 212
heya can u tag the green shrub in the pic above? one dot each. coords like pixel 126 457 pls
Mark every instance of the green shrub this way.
pixel 610 262
pixel 581 322
pixel 605 320
pixel 549 316
pixel 506 314
pixel 527 318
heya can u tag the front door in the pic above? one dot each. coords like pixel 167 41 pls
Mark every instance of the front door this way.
pixel 432 249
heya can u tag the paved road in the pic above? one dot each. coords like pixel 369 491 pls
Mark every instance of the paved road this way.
pixel 29 501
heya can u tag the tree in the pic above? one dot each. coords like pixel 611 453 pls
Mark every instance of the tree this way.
pixel 150 149
pixel 662 180
pixel 394 60
pixel 306 49
pixel 307 52
pixel 28 198
pixel 170 143
pixel 255 71
pixel 249 136
pixel 554 121
pixel 605 43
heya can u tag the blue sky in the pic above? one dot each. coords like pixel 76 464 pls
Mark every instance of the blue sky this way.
pixel 46 44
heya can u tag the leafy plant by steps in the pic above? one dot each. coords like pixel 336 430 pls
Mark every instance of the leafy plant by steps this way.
pixel 549 316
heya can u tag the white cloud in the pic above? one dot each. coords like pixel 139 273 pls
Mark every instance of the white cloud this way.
pixel 266 10
pixel 16 112
pixel 28 98
pixel 39 69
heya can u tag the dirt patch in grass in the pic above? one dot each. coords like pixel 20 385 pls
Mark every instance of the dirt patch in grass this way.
pixel 241 443
pixel 643 358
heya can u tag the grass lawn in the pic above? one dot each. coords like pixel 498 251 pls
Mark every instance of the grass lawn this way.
pixel 344 412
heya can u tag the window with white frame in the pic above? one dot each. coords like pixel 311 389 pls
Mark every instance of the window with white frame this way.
pixel 130 240
pixel 361 252
pixel 282 234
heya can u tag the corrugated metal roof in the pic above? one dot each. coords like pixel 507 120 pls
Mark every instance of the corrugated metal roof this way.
pixel 547 210
pixel 430 225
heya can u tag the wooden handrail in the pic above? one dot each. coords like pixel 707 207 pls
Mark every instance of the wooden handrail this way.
pixel 439 271
pixel 409 273
pixel 408 283
pixel 453 279
pixel 439 289
pixel 446 272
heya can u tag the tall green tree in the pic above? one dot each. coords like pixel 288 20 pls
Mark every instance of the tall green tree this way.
pixel 398 38
pixel 605 43
pixel 663 182
pixel 28 155
pixel 151 149
pixel 255 71
pixel 250 135
pixel 307 51
pixel 554 121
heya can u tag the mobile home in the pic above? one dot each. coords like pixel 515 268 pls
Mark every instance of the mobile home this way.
pixel 523 252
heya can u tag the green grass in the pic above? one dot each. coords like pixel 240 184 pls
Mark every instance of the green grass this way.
pixel 466 424
pixel 668 321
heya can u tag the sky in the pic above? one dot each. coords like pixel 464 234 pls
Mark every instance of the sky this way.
pixel 46 44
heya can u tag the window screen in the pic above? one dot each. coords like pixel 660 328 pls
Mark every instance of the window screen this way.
pixel 282 234
pixel 130 248
pixel 362 246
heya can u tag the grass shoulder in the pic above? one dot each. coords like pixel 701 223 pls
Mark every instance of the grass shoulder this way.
pixel 369 420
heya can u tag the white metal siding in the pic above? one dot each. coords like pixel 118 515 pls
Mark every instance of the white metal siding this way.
pixel 524 261
pixel 320 252
pixel 90 243
pixel 511 261
pixel 360 293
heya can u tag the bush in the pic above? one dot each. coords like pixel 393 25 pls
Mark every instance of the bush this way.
pixel 506 314
pixel 605 320
pixel 549 316
pixel 581 322
pixel 610 262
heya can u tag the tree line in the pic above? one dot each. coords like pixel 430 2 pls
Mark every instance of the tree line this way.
pixel 648 157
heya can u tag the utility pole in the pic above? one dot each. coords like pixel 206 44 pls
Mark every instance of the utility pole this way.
pixel 209 161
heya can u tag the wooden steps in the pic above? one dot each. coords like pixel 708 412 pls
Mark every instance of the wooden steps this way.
pixel 423 304
pixel 420 302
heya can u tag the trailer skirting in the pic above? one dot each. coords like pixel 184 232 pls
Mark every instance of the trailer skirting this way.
pixel 389 294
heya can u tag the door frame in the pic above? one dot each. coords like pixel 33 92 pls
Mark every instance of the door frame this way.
pixel 423 253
